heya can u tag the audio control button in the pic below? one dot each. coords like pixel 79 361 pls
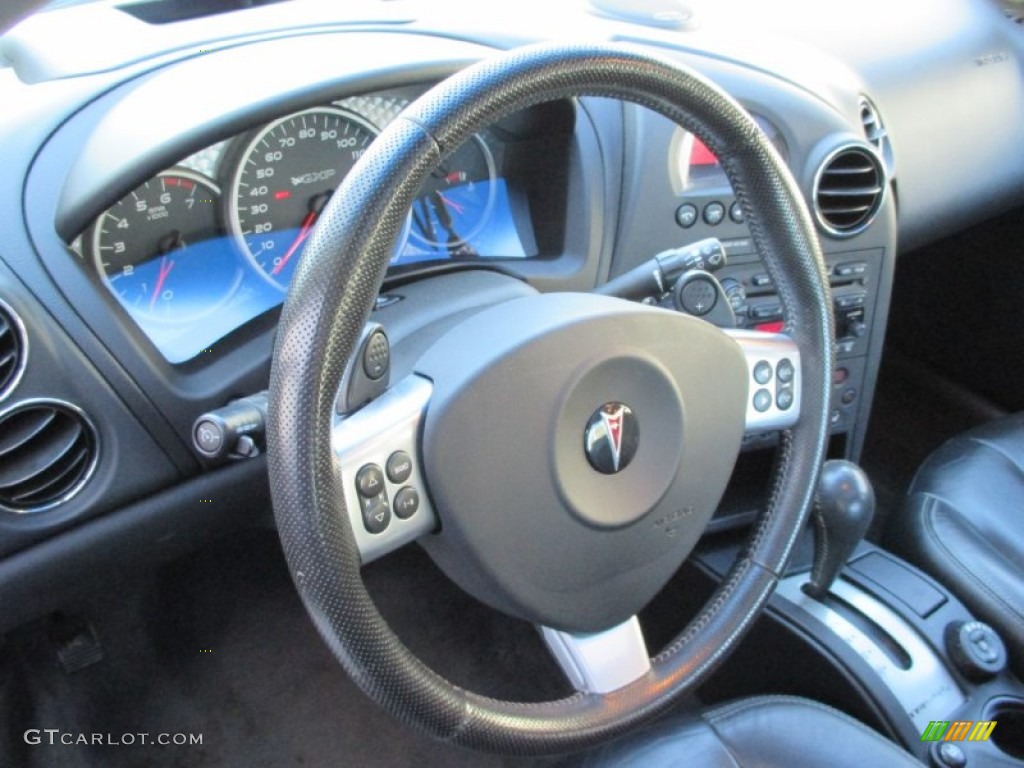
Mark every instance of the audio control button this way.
pixel 784 370
pixel 407 501
pixel 784 399
pixel 762 400
pixel 763 372
pixel 369 481
pixel 398 467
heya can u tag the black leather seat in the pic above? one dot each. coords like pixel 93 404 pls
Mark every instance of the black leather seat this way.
pixel 964 524
pixel 767 731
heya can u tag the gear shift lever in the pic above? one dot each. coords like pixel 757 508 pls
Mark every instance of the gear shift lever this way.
pixel 843 507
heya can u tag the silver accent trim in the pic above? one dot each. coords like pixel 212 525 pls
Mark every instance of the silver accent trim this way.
pixel 926 690
pixel 89 471
pixel 600 662
pixel 388 424
pixel 772 348
pixel 19 329
pixel 883 179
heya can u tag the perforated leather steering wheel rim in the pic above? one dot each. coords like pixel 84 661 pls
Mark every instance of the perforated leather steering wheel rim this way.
pixel 331 297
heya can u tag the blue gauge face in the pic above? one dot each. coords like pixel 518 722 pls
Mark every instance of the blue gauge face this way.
pixel 455 204
pixel 160 252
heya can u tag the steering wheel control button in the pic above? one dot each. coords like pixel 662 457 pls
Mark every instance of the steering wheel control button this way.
pixel 763 372
pixel 398 467
pixel 376 355
pixel 785 370
pixel 784 399
pixel 407 501
pixel 611 438
pixel 762 400
pixel 686 215
pixel 713 214
pixel 370 481
pixel 698 297
pixel 377 517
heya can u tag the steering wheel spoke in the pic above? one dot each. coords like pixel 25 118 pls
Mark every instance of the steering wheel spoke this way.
pixel 773 363
pixel 600 662
pixel 376 453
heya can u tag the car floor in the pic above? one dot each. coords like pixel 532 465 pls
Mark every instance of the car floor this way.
pixel 218 644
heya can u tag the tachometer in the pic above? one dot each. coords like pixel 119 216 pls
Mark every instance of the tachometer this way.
pixel 158 248
pixel 285 175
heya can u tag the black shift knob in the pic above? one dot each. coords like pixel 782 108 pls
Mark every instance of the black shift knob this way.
pixel 843 507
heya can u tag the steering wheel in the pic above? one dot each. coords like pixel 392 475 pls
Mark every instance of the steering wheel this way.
pixel 564 451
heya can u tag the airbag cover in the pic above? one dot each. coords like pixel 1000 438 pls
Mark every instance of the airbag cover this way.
pixel 528 524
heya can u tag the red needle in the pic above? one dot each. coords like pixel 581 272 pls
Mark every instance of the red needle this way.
pixel 451 203
pixel 165 269
pixel 304 229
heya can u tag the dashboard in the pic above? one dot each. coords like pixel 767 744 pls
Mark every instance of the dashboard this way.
pixel 206 245
pixel 161 182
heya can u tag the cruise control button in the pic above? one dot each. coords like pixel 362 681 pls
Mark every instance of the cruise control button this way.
pixel 399 467
pixel 784 399
pixel 762 400
pixel 369 481
pixel 784 370
pixel 377 517
pixel 763 372
pixel 407 501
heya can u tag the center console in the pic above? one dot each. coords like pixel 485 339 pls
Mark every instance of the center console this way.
pixel 923 668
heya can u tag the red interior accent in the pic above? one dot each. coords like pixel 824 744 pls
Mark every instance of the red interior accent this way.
pixel 701 155
pixel 775 327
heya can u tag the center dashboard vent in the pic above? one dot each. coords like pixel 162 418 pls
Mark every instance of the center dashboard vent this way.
pixel 849 190
pixel 13 348
pixel 48 450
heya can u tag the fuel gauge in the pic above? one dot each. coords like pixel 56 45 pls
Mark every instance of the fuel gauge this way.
pixel 456 201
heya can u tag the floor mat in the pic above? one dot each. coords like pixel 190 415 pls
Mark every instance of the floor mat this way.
pixel 219 646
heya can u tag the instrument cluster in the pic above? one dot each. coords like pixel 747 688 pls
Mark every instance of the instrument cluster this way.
pixel 203 247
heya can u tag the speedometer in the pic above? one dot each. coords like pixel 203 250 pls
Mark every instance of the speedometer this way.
pixel 286 174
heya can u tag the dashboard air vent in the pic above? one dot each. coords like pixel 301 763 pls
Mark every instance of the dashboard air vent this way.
pixel 849 190
pixel 874 130
pixel 13 346
pixel 48 450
